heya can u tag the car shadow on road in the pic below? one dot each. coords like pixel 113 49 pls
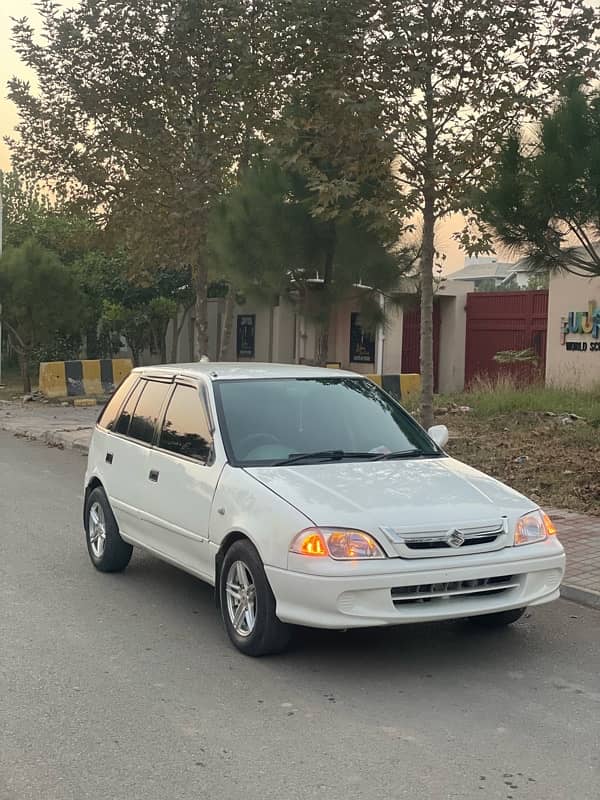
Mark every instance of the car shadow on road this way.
pixel 386 652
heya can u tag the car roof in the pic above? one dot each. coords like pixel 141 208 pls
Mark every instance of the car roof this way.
pixel 222 370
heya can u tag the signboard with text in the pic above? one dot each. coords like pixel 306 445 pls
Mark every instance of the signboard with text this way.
pixel 586 324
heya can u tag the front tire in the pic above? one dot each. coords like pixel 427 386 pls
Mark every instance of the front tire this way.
pixel 500 619
pixel 107 550
pixel 248 605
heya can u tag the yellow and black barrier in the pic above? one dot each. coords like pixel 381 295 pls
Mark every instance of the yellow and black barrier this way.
pixel 90 377
pixel 399 386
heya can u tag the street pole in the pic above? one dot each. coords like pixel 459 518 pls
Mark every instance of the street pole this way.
pixel 1 213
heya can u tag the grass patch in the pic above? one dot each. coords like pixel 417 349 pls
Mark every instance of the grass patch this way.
pixel 503 396
pixel 524 436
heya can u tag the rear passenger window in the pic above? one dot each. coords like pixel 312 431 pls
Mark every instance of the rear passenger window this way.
pixel 143 422
pixel 110 413
pixel 122 425
pixel 185 429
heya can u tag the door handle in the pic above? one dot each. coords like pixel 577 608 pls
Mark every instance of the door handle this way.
pixel 153 475
pixel 109 458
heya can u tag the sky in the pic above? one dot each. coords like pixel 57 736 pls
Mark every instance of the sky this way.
pixel 10 65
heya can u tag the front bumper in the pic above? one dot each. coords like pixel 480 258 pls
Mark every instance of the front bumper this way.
pixel 329 594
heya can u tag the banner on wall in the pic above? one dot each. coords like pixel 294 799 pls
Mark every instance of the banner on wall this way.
pixel 362 342
pixel 246 335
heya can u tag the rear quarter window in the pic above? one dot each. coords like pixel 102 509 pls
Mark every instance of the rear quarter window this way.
pixel 110 412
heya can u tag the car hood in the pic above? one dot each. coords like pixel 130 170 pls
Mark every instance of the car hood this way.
pixel 369 495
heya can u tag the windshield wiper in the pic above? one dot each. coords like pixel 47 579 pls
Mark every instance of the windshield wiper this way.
pixel 414 453
pixel 324 455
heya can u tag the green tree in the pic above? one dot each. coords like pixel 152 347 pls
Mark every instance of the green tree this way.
pixel 40 301
pixel 114 291
pixel 142 113
pixel 332 137
pixel 266 237
pixel 133 322
pixel 23 207
pixel 29 213
pixel 543 198
pixel 453 76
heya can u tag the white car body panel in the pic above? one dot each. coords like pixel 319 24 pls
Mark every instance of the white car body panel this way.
pixel 412 492
pixel 187 516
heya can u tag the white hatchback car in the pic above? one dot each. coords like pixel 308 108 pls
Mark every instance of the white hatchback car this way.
pixel 308 496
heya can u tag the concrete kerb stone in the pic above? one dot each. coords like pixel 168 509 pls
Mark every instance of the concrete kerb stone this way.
pixel 69 440
pixel 577 594
pixel 69 436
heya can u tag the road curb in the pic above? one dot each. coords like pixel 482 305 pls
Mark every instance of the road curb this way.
pixel 68 440
pixel 577 594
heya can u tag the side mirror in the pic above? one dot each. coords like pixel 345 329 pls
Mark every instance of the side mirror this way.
pixel 439 434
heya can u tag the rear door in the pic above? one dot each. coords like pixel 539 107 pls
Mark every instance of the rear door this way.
pixel 186 472
pixel 128 446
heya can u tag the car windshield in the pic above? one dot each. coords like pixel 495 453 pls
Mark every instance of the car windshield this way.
pixel 310 420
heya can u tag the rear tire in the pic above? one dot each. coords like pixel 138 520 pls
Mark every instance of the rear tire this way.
pixel 107 550
pixel 499 619
pixel 248 605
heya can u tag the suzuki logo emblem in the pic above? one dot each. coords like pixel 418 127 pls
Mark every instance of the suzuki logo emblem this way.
pixel 455 538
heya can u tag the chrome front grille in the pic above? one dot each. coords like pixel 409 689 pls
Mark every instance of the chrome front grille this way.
pixel 449 541
pixel 428 592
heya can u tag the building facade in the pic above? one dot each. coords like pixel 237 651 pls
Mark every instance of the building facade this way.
pixel 278 333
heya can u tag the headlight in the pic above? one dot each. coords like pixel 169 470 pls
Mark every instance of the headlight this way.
pixel 534 527
pixel 341 544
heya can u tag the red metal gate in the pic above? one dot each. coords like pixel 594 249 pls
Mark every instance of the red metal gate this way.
pixel 411 341
pixel 498 321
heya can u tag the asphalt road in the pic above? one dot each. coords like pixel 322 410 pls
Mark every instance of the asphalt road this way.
pixel 126 687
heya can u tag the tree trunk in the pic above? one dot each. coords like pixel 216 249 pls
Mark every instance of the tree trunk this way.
pixel 24 365
pixel 227 327
pixel 163 345
pixel 178 325
pixel 427 257
pixel 322 354
pixel 200 277
pixel 323 340
pixel 428 246
pixel 175 337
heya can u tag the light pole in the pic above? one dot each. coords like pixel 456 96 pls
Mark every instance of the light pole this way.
pixel 1 212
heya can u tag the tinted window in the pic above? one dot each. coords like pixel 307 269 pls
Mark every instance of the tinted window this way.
pixel 109 415
pixel 185 430
pixel 143 422
pixel 122 425
pixel 265 421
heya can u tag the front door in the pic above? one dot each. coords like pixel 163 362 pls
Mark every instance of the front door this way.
pixel 184 476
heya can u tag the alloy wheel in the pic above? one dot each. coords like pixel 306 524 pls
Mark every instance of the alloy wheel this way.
pixel 241 598
pixel 97 530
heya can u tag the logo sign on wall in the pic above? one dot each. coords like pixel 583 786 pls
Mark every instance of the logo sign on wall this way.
pixel 582 322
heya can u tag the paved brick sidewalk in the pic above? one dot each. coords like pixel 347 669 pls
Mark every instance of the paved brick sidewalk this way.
pixel 580 536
